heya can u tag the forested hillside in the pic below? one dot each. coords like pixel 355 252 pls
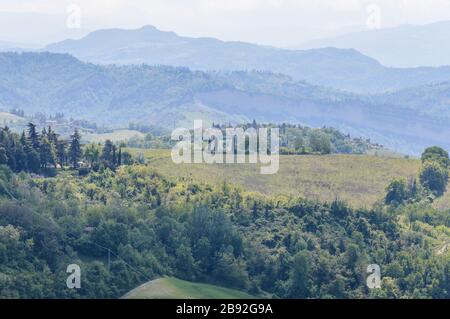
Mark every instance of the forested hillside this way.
pixel 143 164
pixel 345 69
pixel 429 100
pixel 153 225
pixel 115 96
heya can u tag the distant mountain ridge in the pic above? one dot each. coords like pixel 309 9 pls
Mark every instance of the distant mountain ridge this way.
pixel 172 97
pixel 344 69
pixel 12 46
pixel 406 46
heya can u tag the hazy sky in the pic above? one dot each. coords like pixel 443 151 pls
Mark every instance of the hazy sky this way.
pixel 274 22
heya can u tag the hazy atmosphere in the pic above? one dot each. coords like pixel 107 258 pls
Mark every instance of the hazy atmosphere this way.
pixel 285 23
pixel 246 153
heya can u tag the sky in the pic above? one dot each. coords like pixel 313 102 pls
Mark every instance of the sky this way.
pixel 282 23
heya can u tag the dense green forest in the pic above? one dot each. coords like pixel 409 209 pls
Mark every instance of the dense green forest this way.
pixel 151 226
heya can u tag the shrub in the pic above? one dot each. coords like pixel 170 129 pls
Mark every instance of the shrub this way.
pixel 434 177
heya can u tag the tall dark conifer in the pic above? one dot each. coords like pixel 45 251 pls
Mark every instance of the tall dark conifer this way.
pixel 75 152
pixel 61 152
pixel 33 136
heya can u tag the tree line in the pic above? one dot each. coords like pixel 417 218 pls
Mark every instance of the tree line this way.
pixel 44 152
pixel 432 180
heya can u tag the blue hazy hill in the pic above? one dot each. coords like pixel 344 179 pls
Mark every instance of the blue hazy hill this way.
pixel 345 69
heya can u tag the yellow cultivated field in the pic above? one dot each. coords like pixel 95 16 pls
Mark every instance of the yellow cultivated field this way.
pixel 360 180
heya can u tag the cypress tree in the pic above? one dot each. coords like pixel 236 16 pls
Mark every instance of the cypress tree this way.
pixel 75 152
pixel 33 136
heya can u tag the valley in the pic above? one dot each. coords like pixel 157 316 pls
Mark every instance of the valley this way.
pixel 88 183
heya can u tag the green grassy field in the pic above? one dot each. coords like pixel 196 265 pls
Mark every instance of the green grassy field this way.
pixel 116 136
pixel 172 288
pixel 360 180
